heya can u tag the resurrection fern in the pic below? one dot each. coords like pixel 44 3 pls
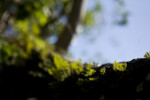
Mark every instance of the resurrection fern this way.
pixel 103 70
pixel 63 69
pixel 90 72
pixel 147 55
pixel 119 66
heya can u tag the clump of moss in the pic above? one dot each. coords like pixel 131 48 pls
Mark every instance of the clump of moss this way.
pixel 119 66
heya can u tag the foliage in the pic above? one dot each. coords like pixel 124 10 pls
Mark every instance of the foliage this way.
pixel 9 53
pixel 88 18
pixel 119 66
pixel 40 17
pixel 147 55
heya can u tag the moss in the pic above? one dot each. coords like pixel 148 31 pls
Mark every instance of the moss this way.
pixel 119 66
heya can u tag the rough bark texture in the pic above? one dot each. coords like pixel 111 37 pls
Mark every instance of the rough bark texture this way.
pixel 70 29
pixel 132 84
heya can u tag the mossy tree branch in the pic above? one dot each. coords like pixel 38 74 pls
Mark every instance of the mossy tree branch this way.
pixel 131 84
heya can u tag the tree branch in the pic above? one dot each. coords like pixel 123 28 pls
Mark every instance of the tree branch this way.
pixel 132 84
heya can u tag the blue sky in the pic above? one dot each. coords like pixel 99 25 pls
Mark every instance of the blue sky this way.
pixel 110 42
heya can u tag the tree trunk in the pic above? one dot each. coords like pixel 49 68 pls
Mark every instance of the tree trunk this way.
pixel 70 29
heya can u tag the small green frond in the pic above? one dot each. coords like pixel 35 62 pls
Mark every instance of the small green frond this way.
pixel 147 55
pixel 119 66
pixel 90 72
pixel 103 70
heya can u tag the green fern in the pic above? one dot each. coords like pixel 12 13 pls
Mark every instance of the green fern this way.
pixel 103 70
pixel 119 66
pixel 147 55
